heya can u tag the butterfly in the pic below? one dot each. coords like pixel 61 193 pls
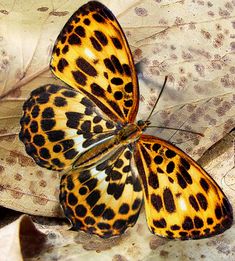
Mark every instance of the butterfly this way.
pixel 87 129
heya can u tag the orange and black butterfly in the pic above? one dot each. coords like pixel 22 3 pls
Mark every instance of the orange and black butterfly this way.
pixel 88 128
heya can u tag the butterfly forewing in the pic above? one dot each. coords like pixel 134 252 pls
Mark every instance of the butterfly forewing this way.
pixel 181 199
pixel 91 54
pixel 105 199
pixel 59 123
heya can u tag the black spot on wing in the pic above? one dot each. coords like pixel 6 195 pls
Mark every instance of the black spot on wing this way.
pixel 185 163
pixel 108 214
pixel 86 21
pixel 116 43
pixel 42 99
pixel 170 167
pixel 193 202
pixel 156 202
pixel 80 211
pixel 39 140
pixel 87 102
pixel 161 223
pixel 62 64
pixel 60 102
pixel 156 147
pixel 73 119
pixel 93 198
pixel 185 174
pixel 218 212
pixel 170 154
pixel 44 153
pixel 54 88
pixel 116 81
pixel 127 69
pixel 175 227
pixel 70 184
pixel 188 223
pixel 181 181
pixel 153 180
pixel 72 200
pixel 108 64
pixel 35 111
pixel 95 44
pixel 98 18
pixel 89 220
pixel 128 103
pixel 103 226
pixel 118 95
pixel 101 37
pixel 57 162
pixel 55 135
pixel 74 39
pixel 136 204
pixel 86 67
pixel 48 113
pixel 204 184
pixel 79 77
pixel 169 200
pixel 129 87
pixel 65 49
pixel 98 210
pixel 158 159
pixel 80 31
pixel 117 64
pixel 47 124
pixel 202 201
pixel 70 154
pixel 198 222
pixel 210 221
pixel 124 208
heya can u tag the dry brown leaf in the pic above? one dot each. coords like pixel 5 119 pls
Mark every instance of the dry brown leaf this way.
pixel 192 42
pixel 20 238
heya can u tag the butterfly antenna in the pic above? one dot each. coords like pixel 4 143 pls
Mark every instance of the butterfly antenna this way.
pixel 169 128
pixel 163 86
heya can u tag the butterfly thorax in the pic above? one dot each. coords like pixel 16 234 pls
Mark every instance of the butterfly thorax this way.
pixel 130 133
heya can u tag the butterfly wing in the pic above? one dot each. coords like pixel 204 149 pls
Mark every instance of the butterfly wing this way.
pixel 181 199
pixel 91 54
pixel 105 199
pixel 59 123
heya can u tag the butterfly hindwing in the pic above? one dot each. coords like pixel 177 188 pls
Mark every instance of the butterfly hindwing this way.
pixel 58 124
pixel 181 199
pixel 91 54
pixel 105 199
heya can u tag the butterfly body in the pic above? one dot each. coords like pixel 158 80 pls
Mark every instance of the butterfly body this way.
pixel 127 135
pixel 89 130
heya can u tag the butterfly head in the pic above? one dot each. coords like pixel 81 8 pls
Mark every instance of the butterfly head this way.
pixel 143 124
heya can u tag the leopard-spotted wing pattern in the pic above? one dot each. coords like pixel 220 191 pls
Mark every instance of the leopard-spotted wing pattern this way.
pixel 105 199
pixel 60 123
pixel 181 199
pixel 91 54
pixel 88 129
